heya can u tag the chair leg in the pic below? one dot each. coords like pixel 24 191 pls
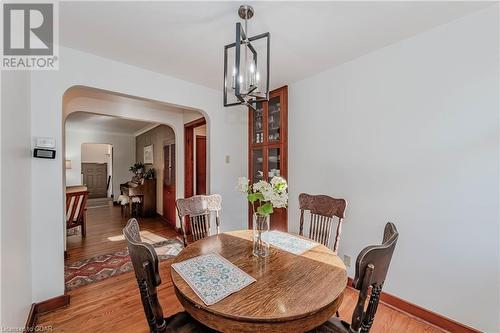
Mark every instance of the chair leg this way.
pixel 371 309
pixel 84 224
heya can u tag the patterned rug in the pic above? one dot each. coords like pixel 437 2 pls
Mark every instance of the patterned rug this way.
pixel 87 271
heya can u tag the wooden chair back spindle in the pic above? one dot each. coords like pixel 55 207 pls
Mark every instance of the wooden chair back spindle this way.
pixel 145 262
pixel 372 265
pixel 199 209
pixel 322 209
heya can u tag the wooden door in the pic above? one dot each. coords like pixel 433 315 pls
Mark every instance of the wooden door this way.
pixel 201 164
pixel 95 178
pixel 169 196
pixel 189 167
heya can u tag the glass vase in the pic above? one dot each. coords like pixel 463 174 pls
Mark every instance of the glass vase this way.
pixel 260 226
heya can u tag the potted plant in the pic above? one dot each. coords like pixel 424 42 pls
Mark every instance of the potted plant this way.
pixel 264 197
pixel 138 169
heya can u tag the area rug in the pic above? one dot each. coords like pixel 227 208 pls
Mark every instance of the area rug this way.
pixel 87 271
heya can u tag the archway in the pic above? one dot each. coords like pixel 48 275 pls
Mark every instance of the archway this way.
pixel 99 103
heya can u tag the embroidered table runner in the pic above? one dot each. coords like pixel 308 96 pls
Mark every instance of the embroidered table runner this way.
pixel 287 242
pixel 212 277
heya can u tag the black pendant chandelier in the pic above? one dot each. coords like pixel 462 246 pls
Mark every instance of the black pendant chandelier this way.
pixel 246 65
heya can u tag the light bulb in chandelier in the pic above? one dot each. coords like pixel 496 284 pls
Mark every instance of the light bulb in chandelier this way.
pixel 252 77
pixel 233 79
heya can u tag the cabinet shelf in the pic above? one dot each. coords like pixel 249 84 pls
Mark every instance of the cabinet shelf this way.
pixel 268 146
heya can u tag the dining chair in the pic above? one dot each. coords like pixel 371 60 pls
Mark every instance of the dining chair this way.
pixel 145 262
pixel 372 265
pixel 199 209
pixel 76 208
pixel 322 210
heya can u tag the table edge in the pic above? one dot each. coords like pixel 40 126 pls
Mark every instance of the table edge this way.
pixel 208 308
pixel 256 319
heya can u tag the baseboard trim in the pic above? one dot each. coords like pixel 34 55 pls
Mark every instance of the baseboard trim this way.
pixel 43 307
pixel 31 321
pixel 426 315
pixel 162 218
pixel 165 221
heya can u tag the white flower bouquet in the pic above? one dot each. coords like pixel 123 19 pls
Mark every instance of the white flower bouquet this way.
pixel 265 196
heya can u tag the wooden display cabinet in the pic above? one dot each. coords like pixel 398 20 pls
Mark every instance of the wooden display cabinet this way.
pixel 268 147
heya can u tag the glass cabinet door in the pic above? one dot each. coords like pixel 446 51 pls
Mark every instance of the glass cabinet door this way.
pixel 257 165
pixel 274 119
pixel 274 163
pixel 258 123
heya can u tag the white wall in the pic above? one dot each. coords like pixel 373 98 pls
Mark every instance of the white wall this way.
pixel 16 199
pixel 158 137
pixel 96 152
pixel 410 134
pixel 228 125
pixel 189 116
pixel 124 155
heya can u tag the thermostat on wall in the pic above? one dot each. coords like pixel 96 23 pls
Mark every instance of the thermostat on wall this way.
pixel 44 153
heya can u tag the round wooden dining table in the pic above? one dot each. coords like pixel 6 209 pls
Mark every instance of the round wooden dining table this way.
pixel 292 293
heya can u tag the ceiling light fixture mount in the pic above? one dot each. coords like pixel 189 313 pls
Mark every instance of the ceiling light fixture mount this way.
pixel 246 82
pixel 246 12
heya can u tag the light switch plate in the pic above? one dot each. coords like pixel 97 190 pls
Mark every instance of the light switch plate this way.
pixel 227 159
pixel 42 142
pixel 347 260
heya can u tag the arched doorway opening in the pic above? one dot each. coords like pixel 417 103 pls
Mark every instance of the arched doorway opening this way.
pixel 142 132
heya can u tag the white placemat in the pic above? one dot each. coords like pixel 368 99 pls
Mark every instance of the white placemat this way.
pixel 287 242
pixel 212 277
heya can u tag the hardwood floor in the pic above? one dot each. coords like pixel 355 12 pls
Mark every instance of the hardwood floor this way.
pixel 104 222
pixel 114 305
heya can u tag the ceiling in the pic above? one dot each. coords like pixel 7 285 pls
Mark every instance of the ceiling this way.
pixel 85 121
pixel 186 39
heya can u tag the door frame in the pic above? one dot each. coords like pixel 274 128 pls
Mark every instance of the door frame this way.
pixel 189 155
pixel 196 170
pixel 169 143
